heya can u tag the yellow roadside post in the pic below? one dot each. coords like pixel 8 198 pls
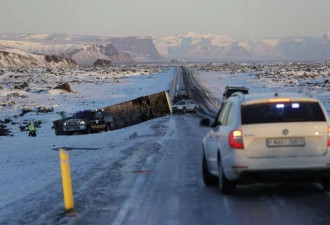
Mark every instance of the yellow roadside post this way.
pixel 66 180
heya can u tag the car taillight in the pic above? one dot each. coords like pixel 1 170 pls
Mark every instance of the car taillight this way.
pixel 328 136
pixel 236 139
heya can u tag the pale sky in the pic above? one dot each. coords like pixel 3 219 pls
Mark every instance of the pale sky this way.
pixel 236 18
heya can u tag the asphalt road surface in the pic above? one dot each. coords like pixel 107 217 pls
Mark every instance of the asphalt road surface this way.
pixel 181 84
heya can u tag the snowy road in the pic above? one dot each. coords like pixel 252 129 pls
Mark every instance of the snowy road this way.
pixel 151 174
pixel 181 83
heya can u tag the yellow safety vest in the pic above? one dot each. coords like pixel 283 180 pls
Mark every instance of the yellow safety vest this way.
pixel 31 127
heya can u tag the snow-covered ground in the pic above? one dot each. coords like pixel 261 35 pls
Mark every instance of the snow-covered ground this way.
pixel 214 79
pixel 92 89
pixel 30 166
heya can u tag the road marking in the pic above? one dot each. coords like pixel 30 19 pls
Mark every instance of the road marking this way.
pixel 226 204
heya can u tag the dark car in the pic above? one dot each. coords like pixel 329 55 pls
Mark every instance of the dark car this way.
pixel 231 90
pixel 181 95
pixel 88 121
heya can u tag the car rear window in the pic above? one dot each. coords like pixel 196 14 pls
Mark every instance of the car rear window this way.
pixel 282 112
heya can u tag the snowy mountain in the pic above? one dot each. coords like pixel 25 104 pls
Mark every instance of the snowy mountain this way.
pixel 86 55
pixel 10 57
pixel 129 49
pixel 210 47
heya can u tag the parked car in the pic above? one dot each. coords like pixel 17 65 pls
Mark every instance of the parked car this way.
pixel 267 137
pixel 185 106
pixel 231 90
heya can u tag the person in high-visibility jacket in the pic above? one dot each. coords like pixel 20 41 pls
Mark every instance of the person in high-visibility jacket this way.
pixel 32 129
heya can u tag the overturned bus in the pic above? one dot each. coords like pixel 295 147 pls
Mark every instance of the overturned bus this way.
pixel 116 116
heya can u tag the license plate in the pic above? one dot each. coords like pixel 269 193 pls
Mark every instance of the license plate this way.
pixel 285 142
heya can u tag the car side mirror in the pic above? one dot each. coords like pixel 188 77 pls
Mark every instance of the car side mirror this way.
pixel 205 122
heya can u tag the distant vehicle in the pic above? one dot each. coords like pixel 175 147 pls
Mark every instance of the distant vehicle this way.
pixel 231 90
pixel 181 95
pixel 88 121
pixel 185 106
pixel 267 137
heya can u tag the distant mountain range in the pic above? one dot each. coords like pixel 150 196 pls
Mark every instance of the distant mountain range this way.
pixel 210 47
pixel 85 49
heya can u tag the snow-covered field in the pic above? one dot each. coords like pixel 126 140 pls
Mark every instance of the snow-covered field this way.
pixel 33 90
pixel 29 167
pixel 308 78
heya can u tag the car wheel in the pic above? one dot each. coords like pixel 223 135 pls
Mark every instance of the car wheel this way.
pixel 226 186
pixel 184 110
pixel 326 184
pixel 195 110
pixel 107 127
pixel 208 178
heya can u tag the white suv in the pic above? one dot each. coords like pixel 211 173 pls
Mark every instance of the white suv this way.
pixel 267 137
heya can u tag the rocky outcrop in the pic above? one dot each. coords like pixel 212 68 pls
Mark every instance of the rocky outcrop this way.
pixel 89 53
pixel 10 57
pixel 57 59
pixel 102 63
pixel 116 56
pixel 109 50
pixel 65 86
pixel 140 48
